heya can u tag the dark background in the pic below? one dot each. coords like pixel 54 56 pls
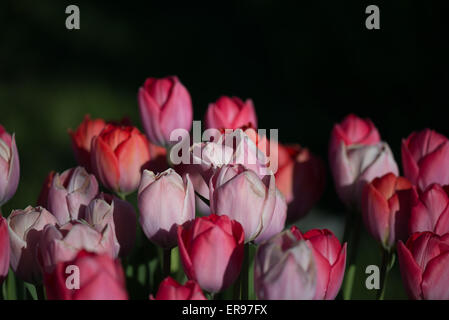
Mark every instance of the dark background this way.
pixel 305 64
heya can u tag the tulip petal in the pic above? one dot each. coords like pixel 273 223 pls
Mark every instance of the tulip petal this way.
pixel 436 278
pixel 411 273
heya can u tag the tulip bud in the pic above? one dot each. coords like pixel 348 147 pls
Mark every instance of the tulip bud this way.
pixel 354 166
pixel 230 113
pixel 69 194
pixel 25 229
pixel 119 214
pixel 4 249
pixel 239 193
pixel 119 154
pixel 211 250
pixel 284 269
pixel 430 211
pixel 424 264
pixel 165 200
pixel 170 289
pixel 330 261
pixel 301 179
pixel 82 139
pixel 386 205
pixel 100 278
pixel 61 244
pixel 425 158
pixel 353 131
pixel 165 105
pixel 9 166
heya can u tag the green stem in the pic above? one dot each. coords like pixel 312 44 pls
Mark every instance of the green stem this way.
pixel 352 234
pixel 245 272
pixel 387 257
pixel 40 292
pixel 166 262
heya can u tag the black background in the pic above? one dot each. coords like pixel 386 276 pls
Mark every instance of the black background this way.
pixel 305 64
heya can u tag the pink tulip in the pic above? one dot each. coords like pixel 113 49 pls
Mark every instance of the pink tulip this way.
pixel 284 269
pixel 165 200
pixel 301 179
pixel 170 289
pixel 430 212
pixel 82 139
pixel 211 250
pixel 386 205
pixel 9 166
pixel 353 131
pixel 119 154
pixel 357 165
pixel 119 214
pixel 425 158
pixel 239 193
pixel 100 278
pixel 42 201
pixel 424 263
pixel 25 229
pixel 231 113
pixel 61 244
pixel 330 261
pixel 4 249
pixel 69 194
pixel 165 105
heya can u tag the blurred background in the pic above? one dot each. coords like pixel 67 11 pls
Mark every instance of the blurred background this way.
pixel 305 65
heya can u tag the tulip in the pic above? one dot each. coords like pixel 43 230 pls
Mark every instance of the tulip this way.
pixel 431 211
pixel 4 249
pixel 61 244
pixel 386 205
pixel 425 158
pixel 230 113
pixel 170 289
pixel 424 264
pixel 69 194
pixel 277 222
pixel 165 200
pixel 42 201
pixel 119 214
pixel 82 139
pixel 165 105
pixel 284 269
pixel 239 193
pixel 301 179
pixel 211 250
pixel 99 277
pixel 330 261
pixel 9 166
pixel 353 131
pixel 119 154
pixel 354 166
pixel 25 228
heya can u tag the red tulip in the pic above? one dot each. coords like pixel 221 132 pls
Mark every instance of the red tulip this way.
pixel 4 249
pixel 9 166
pixel 424 263
pixel 165 105
pixel 119 154
pixel 301 179
pixel 43 195
pixel 100 278
pixel 425 158
pixel 353 131
pixel 211 250
pixel 330 261
pixel 82 139
pixel 386 205
pixel 230 113
pixel 431 211
pixel 170 289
